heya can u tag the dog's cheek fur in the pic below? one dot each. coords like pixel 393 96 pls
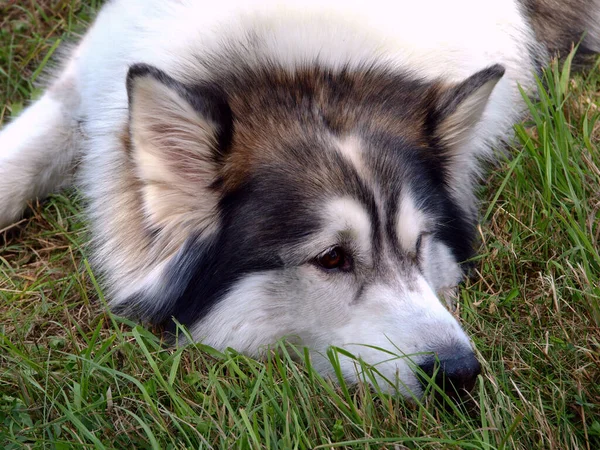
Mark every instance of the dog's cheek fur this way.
pixel 440 267
pixel 296 303
pixel 176 137
pixel 438 262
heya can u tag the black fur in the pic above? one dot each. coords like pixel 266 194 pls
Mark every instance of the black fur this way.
pixel 274 210
pixel 424 172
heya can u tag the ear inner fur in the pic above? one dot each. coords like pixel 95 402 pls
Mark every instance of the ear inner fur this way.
pixel 461 107
pixel 177 138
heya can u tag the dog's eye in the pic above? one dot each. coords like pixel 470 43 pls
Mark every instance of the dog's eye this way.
pixel 335 258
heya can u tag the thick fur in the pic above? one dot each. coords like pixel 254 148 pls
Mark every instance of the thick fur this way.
pixel 225 147
pixel 560 25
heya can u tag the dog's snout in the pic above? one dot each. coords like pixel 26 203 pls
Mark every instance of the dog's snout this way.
pixel 454 372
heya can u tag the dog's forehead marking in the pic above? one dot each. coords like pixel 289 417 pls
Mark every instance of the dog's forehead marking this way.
pixel 351 149
pixel 410 221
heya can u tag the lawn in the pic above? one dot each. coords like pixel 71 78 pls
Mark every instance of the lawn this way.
pixel 72 375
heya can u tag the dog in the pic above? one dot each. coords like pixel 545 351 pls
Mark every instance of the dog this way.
pixel 261 169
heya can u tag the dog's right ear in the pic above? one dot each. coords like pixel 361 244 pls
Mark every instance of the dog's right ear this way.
pixel 178 134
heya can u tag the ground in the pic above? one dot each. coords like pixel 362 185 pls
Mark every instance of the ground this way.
pixel 73 375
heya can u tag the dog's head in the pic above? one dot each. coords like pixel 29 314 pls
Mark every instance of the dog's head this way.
pixel 331 208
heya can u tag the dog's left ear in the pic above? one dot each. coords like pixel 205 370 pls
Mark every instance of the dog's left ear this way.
pixel 178 136
pixel 451 127
pixel 458 108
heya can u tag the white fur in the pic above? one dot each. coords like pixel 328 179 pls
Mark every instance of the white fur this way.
pixel 25 171
pixel 351 148
pixel 398 311
pixel 441 269
pixel 410 222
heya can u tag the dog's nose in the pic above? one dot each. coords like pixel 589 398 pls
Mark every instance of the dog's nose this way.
pixel 455 372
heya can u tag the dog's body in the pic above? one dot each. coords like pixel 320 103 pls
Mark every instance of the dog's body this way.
pixel 263 169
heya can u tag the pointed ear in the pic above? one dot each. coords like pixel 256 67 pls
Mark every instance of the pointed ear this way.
pixel 177 134
pixel 459 108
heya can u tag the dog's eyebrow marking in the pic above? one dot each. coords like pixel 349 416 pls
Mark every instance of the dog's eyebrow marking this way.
pixel 351 149
pixel 345 214
pixel 410 221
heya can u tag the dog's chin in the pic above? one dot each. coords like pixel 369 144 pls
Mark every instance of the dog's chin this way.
pixel 382 377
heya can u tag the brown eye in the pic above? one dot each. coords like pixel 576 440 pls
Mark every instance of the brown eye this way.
pixel 335 259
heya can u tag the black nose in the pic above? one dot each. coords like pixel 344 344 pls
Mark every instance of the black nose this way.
pixel 455 372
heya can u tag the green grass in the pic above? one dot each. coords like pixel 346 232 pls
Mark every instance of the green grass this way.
pixel 72 375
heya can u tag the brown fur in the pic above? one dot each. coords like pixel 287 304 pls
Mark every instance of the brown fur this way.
pixel 560 24
pixel 282 108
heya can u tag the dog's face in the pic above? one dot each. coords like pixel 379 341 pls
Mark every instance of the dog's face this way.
pixel 324 208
